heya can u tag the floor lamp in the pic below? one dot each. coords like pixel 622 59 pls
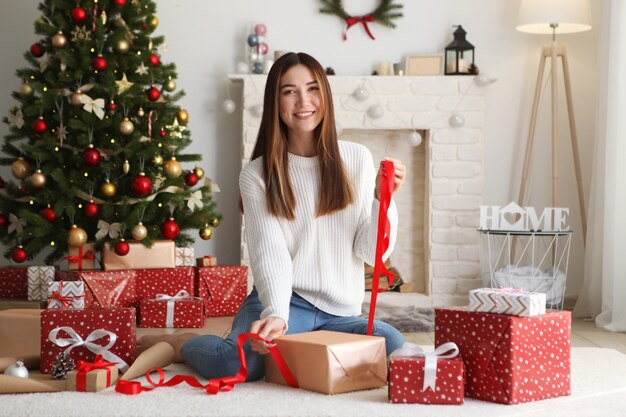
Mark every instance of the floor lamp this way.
pixel 554 17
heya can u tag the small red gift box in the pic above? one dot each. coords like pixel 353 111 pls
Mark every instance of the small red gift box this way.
pixel 151 282
pixel 416 377
pixel 87 333
pixel 104 289
pixel 13 283
pixel 509 359
pixel 223 289
pixel 180 310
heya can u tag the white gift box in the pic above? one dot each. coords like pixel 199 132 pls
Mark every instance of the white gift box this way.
pixel 66 294
pixel 185 257
pixel 510 301
pixel 39 279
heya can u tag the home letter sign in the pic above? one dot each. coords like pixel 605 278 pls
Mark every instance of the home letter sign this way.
pixel 515 218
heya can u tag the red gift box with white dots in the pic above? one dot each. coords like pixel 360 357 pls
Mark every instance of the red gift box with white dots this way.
pixel 406 381
pixel 510 359
pixel 186 313
pixel 223 288
pixel 151 282
pixel 120 321
pixel 105 289
pixel 13 283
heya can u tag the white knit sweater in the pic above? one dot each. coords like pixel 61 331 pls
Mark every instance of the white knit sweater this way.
pixel 321 259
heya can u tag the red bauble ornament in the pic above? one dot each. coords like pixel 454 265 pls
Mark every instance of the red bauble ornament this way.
pixel 99 63
pixel 90 209
pixel 191 179
pixel 121 248
pixel 154 60
pixel 78 14
pixel 142 185
pixel 170 229
pixel 39 125
pixel 153 93
pixel 111 107
pixel 19 255
pixel 91 156
pixel 162 133
pixel 120 3
pixel 4 220
pixel 48 214
pixel 37 50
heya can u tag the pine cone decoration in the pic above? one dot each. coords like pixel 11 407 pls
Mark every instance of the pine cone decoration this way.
pixel 62 364
pixel 330 71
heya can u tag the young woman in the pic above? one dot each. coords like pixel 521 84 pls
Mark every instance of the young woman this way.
pixel 310 206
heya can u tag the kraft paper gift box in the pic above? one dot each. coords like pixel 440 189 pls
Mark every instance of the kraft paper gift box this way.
pixel 161 255
pixel 20 335
pixel 185 257
pixel 12 303
pixel 206 261
pixel 411 381
pixel 151 282
pixel 104 289
pixel 92 376
pixel 331 362
pixel 507 301
pixel 39 280
pixel 81 257
pixel 66 294
pixel 13 282
pixel 179 310
pixel 223 289
pixel 85 333
pixel 509 359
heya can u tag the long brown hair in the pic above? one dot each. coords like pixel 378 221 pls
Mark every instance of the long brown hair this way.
pixel 271 144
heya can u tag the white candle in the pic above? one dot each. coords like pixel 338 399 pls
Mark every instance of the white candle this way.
pixel 462 65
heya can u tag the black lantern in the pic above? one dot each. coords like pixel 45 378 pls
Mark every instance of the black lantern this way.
pixel 459 54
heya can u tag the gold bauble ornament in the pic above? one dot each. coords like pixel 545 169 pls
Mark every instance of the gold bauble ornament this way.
pixel 26 90
pixel 126 166
pixel 59 40
pixel 182 116
pixel 141 112
pixel 126 127
pixel 199 172
pixel 108 189
pixel 170 85
pixel 139 232
pixel 20 168
pixel 214 222
pixel 157 161
pixel 38 179
pixel 153 21
pixel 172 168
pixel 122 46
pixel 76 99
pixel 76 236
pixel 206 232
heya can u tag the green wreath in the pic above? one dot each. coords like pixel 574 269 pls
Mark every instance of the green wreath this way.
pixel 384 14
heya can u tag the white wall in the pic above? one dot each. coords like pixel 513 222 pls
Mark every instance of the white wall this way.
pixel 206 39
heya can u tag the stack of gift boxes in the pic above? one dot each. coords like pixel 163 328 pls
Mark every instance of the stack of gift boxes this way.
pixel 92 314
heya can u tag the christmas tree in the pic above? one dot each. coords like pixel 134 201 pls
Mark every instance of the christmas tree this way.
pixel 95 141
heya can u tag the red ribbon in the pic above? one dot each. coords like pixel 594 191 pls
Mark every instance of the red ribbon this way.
pixel 215 385
pixel 65 300
pixel 79 258
pixel 382 240
pixel 353 20
pixel 85 367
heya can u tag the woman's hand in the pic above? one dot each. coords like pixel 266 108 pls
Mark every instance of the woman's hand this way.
pixel 400 175
pixel 268 328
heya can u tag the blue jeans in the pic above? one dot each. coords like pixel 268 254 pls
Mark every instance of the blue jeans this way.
pixel 215 357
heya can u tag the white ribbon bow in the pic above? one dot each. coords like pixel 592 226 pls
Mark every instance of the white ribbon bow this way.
pixel 16 118
pixel 93 106
pixel 446 351
pixel 75 340
pixel 171 299
pixel 16 224
pixel 112 230
pixel 195 200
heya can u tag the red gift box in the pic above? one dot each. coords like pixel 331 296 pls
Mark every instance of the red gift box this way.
pixel 180 310
pixel 223 289
pixel 105 289
pixel 510 359
pixel 13 283
pixel 411 383
pixel 86 333
pixel 151 282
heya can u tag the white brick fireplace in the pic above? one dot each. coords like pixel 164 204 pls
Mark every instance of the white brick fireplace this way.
pixel 437 247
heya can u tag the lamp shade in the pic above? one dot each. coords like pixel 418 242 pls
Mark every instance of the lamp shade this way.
pixel 535 16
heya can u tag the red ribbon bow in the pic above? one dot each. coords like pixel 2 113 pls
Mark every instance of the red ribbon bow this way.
pixel 215 385
pixel 65 300
pixel 79 258
pixel 364 20
pixel 85 367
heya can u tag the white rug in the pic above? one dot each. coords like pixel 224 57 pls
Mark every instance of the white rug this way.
pixel 598 389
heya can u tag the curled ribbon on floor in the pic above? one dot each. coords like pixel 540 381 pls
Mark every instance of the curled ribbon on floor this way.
pixel 446 351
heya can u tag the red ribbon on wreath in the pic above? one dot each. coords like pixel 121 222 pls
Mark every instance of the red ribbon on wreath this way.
pixel 364 20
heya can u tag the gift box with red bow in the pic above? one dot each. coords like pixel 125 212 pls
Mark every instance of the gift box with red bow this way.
pixel 418 377
pixel 81 257
pixel 180 310
pixel 223 289
pixel 105 289
pixel 92 376
pixel 151 282
pixel 66 294
pixel 13 282
pixel 86 333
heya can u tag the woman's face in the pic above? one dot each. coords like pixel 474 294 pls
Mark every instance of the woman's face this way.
pixel 300 103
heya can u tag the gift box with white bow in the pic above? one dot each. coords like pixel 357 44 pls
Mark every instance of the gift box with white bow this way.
pixel 151 282
pixel 418 377
pixel 178 310
pixel 83 334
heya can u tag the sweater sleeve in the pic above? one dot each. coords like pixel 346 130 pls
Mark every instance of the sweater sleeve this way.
pixel 367 229
pixel 269 256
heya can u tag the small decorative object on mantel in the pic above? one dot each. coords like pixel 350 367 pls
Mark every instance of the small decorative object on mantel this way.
pixel 330 71
pixel 258 49
pixel 459 54
pixel 384 14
